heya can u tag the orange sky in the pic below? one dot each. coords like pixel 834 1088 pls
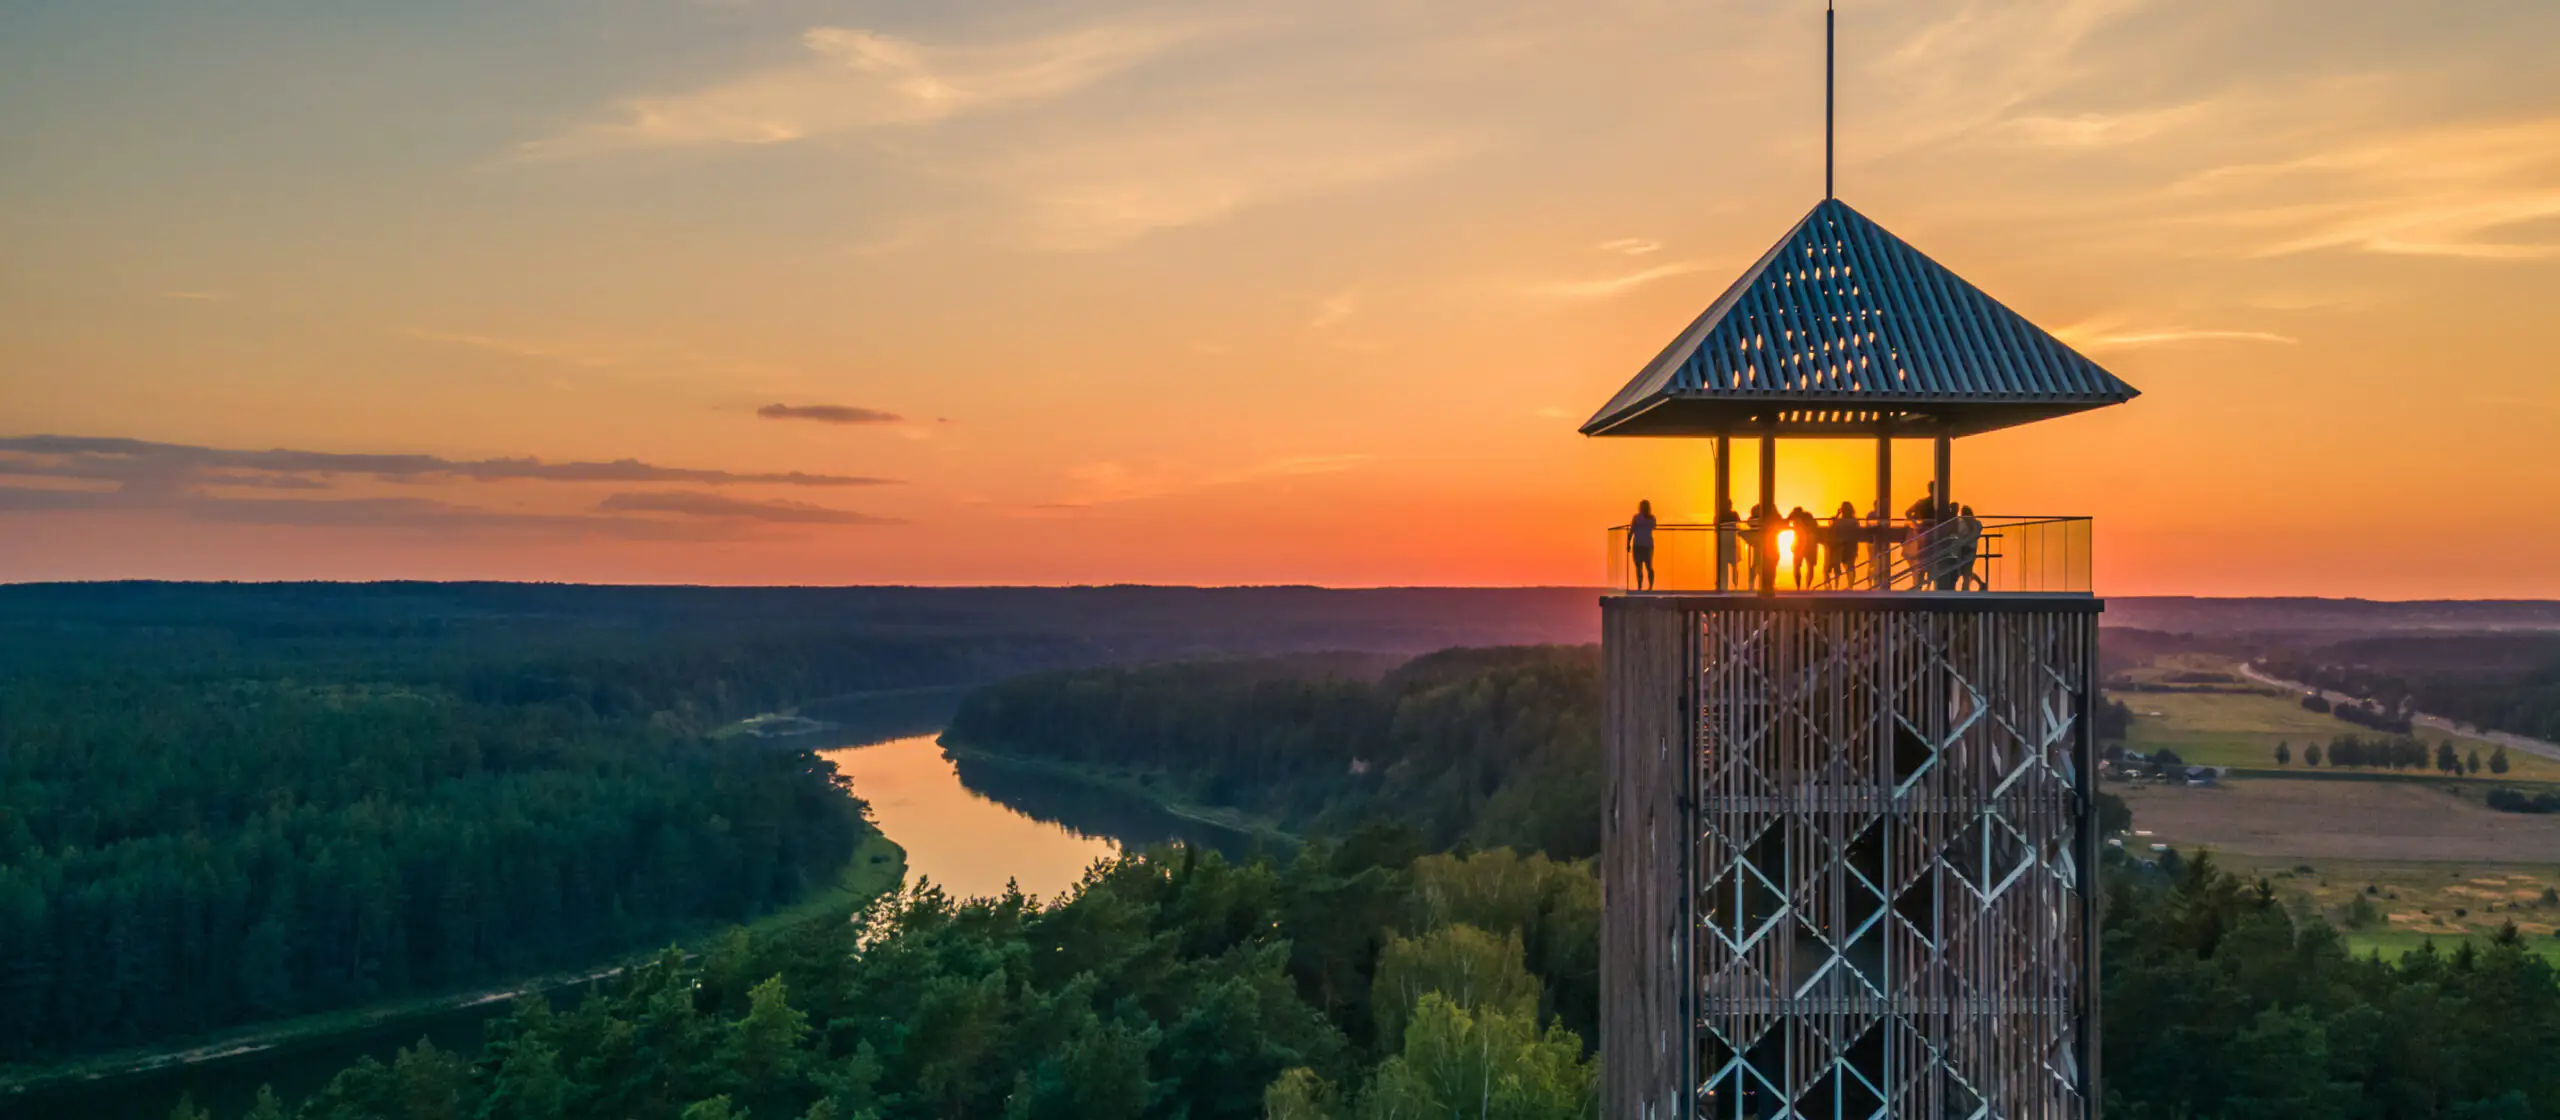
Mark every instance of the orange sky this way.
pixel 1316 292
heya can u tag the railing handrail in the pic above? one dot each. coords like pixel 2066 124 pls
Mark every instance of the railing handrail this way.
pixel 1980 554
pixel 1988 520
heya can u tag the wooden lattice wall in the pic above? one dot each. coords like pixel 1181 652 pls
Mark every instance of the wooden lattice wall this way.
pixel 1847 861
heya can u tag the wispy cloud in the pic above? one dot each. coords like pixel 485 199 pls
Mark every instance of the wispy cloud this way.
pixel 829 414
pixel 693 503
pixel 398 514
pixel 852 78
pixel 92 474
pixel 1103 188
pixel 145 463
pixel 2101 130
pixel 1966 72
pixel 2103 335
pixel 1629 246
pixel 1606 287
pixel 2452 191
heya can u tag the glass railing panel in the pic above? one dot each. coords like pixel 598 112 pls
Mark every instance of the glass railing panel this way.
pixel 2006 555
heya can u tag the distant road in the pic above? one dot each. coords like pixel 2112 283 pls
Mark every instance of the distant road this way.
pixel 2509 739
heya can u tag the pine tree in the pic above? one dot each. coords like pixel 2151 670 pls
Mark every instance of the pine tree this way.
pixel 2498 759
pixel 267 1107
pixel 2284 754
pixel 716 1108
pixel 2474 762
pixel 2311 754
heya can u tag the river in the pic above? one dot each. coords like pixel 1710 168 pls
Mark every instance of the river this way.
pixel 970 830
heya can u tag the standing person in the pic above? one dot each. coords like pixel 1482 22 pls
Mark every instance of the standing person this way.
pixel 1928 538
pixel 1728 526
pixel 1841 544
pixel 1808 551
pixel 1968 551
pixel 1640 545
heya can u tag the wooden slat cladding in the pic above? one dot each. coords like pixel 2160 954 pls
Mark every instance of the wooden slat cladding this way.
pixel 1649 679
pixel 1885 881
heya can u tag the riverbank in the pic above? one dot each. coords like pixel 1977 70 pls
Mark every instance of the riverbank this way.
pixel 876 867
pixel 1139 785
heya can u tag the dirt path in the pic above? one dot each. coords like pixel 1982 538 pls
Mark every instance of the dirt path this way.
pixel 2508 739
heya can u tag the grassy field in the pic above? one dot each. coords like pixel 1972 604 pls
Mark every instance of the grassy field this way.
pixel 2412 904
pixel 2219 728
pixel 2381 820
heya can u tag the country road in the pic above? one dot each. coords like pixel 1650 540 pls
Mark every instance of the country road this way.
pixel 2508 739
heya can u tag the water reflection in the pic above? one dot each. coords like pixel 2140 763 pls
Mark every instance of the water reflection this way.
pixel 967 843
pixel 969 827
pixel 972 826
pixel 1084 810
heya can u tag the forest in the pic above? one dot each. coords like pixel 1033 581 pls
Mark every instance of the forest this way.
pixel 1355 979
pixel 1491 747
pixel 188 843
pixel 2502 682
pixel 223 803
pixel 1444 966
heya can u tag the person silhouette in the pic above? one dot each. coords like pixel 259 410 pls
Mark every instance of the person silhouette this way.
pixel 1968 551
pixel 1840 543
pixel 1807 555
pixel 1728 525
pixel 1640 545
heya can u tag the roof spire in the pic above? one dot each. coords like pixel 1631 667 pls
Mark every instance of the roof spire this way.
pixel 1830 39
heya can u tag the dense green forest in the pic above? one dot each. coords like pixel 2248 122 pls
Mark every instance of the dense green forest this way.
pixel 1360 983
pixel 228 802
pixel 1345 985
pixel 2220 1004
pixel 2504 682
pixel 1358 979
pixel 1372 978
pixel 189 842
pixel 1483 746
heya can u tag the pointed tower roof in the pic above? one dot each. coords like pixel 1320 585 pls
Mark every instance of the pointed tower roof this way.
pixel 1843 329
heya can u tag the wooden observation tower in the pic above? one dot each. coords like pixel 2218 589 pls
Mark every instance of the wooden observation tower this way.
pixel 1850 841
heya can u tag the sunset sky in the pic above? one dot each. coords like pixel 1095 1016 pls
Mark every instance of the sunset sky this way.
pixel 770 291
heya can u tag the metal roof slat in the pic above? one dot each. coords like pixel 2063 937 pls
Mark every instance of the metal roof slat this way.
pixel 2017 366
pixel 1804 293
pixel 1977 351
pixel 1944 347
pixel 1808 308
pixel 2022 339
pixel 1834 305
pixel 1892 333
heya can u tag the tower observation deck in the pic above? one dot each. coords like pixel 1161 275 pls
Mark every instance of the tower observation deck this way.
pixel 1849 841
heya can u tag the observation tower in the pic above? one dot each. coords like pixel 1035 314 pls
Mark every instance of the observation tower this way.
pixel 1850 843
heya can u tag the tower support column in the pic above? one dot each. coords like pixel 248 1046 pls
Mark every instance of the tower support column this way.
pixel 1880 548
pixel 1723 506
pixel 1765 541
